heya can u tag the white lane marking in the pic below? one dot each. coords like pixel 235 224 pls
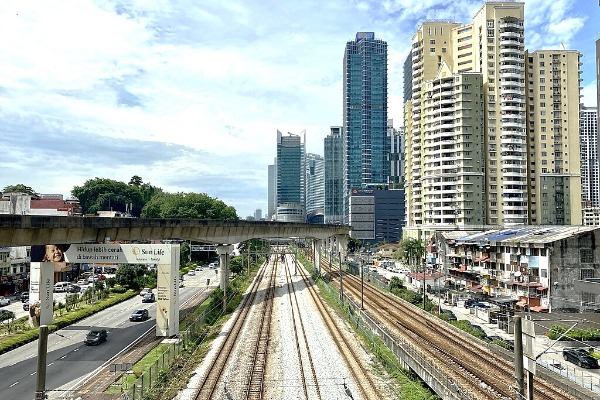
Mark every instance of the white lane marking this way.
pixel 14 384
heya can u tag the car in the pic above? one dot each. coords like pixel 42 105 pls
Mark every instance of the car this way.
pixel 469 303
pixel 95 337
pixel 139 315
pixel 145 291
pixel 26 305
pixel 448 313
pixel 73 289
pixel 24 297
pixel 82 282
pixel 191 272
pixel 148 298
pixel 580 357
pixel 4 301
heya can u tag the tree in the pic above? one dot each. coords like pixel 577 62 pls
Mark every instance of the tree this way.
pixel 235 265
pixel 411 250
pixel 136 180
pixel 130 276
pixel 353 244
pixel 188 205
pixel 184 254
pixel 20 188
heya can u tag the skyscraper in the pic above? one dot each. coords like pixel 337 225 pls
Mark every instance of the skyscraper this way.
pixel 291 171
pixel 590 172
pixel 491 128
pixel 364 114
pixel 334 176
pixel 315 188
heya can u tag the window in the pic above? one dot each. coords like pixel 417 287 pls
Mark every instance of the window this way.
pixel 586 256
pixel 542 88
pixel 432 50
pixel 542 80
pixel 541 64
pixel 432 41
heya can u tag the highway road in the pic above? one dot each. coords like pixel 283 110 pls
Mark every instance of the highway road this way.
pixel 68 360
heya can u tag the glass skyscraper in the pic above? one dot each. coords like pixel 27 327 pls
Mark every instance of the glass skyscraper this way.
pixel 291 172
pixel 364 114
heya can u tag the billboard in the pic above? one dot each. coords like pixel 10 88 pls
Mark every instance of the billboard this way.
pixel 41 292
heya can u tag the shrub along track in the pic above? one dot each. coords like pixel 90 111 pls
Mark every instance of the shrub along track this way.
pixel 479 372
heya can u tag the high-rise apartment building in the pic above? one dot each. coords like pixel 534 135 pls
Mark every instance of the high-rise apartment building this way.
pixel 334 176
pixel 315 188
pixel 490 128
pixel 290 174
pixel 364 114
pixel 590 170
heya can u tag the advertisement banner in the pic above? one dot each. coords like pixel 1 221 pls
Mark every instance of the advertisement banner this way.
pixel 41 293
pixel 119 253
pixel 167 288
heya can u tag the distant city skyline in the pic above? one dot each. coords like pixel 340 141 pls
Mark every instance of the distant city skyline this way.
pixel 188 95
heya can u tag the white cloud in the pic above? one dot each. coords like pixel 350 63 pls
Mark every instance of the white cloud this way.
pixel 189 95
pixel 588 93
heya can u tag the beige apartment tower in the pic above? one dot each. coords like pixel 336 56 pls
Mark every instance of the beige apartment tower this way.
pixel 492 130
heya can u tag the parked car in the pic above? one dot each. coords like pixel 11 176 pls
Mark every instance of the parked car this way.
pixel 139 315
pixel 4 301
pixel 60 287
pixel 580 357
pixel 148 298
pixel 145 291
pixel 451 316
pixel 26 305
pixel 191 272
pixel 95 337
pixel 24 297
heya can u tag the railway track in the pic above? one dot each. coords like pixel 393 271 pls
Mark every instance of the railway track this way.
pixel 360 373
pixel 302 346
pixel 480 373
pixel 209 383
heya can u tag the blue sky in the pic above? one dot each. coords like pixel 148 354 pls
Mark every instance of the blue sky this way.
pixel 189 95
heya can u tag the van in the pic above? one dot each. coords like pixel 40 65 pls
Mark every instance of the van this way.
pixel 61 287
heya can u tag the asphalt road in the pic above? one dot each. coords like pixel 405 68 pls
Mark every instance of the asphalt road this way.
pixel 68 360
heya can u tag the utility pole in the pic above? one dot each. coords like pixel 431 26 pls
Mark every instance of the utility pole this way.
pixel 40 391
pixel 519 357
pixel 362 282
pixel 341 282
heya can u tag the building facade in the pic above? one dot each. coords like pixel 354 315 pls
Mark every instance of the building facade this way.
pixel 291 172
pixel 377 214
pixel 334 176
pixel 315 188
pixel 271 191
pixel 364 114
pixel 590 169
pixel 491 128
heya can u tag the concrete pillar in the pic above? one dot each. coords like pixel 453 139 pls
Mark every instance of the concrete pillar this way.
pixel 317 246
pixel 223 250
pixel 342 245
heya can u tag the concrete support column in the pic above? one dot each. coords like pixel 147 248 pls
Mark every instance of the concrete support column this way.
pixel 317 246
pixel 223 250
pixel 342 246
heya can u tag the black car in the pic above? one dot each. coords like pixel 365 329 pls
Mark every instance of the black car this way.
pixel 139 315
pixel 26 305
pixel 148 298
pixel 580 357
pixel 448 313
pixel 95 337
pixel 24 297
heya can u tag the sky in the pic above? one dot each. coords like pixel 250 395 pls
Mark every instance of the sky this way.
pixel 189 95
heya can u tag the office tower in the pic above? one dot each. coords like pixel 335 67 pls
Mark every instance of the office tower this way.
pixel 271 191
pixel 485 142
pixel 364 113
pixel 290 206
pixel 315 188
pixel 334 176
pixel 258 214
pixel 590 172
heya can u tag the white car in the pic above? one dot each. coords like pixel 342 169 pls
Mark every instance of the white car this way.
pixel 4 301
pixel 191 272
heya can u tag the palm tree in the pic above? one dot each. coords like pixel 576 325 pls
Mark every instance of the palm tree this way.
pixel 412 251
